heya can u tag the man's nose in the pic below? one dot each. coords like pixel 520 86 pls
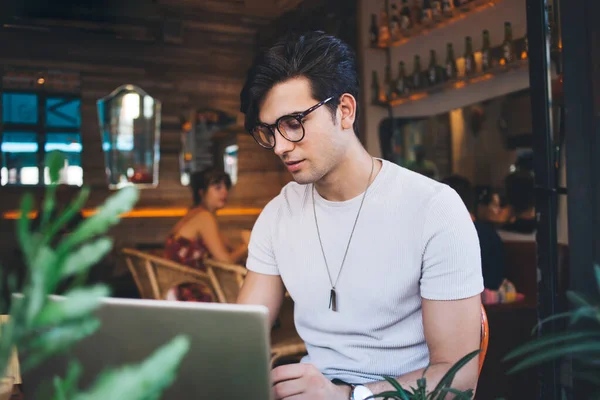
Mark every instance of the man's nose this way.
pixel 282 145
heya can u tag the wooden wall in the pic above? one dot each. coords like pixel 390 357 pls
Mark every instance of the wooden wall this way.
pixel 203 68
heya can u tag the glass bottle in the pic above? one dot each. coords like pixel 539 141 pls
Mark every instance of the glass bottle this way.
pixel 451 69
pixel 470 66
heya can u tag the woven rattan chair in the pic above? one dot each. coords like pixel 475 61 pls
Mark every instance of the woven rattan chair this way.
pixel 155 276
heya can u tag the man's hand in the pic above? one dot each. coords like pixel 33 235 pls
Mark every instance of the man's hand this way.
pixel 305 382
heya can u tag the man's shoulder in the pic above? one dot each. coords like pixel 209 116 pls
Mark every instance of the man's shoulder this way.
pixel 405 182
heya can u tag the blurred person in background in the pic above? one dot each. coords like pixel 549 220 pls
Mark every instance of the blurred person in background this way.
pixel 492 247
pixel 197 235
pixel 489 207
pixel 520 195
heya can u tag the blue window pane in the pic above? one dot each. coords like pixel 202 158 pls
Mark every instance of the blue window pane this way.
pixel 64 142
pixel 19 108
pixel 63 113
pixel 19 159
pixel 19 142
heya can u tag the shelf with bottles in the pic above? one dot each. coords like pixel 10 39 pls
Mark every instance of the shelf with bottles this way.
pixel 419 17
pixel 456 73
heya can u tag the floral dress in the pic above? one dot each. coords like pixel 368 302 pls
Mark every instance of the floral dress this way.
pixel 190 253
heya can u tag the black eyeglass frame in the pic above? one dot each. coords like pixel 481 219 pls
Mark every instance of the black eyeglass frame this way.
pixel 298 117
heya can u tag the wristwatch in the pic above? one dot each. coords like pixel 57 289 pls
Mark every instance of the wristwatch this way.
pixel 360 392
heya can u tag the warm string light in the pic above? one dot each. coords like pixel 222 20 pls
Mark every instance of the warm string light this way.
pixel 148 213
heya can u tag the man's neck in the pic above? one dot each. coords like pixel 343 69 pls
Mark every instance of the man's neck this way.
pixel 349 178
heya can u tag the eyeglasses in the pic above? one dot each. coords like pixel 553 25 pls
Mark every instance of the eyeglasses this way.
pixel 291 128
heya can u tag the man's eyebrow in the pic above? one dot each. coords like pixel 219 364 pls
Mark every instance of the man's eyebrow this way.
pixel 284 115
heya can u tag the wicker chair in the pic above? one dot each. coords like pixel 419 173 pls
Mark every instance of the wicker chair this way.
pixel 154 276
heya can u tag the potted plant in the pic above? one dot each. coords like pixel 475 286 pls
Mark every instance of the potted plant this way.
pixel 581 344
pixel 422 392
pixel 64 323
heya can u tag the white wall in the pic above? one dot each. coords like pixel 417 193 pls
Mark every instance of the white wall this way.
pixel 492 19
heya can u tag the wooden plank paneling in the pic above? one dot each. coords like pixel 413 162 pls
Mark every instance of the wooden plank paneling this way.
pixel 204 68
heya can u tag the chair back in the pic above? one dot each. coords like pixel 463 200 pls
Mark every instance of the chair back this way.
pixel 154 276
pixel 230 277
pixel 485 337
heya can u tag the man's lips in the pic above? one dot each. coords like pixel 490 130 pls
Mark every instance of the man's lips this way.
pixel 293 162
pixel 294 165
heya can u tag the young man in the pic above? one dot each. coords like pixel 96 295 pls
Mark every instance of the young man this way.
pixel 383 264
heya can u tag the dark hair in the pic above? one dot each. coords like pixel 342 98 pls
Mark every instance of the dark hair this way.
pixel 326 61
pixel 519 190
pixel 484 195
pixel 463 187
pixel 201 180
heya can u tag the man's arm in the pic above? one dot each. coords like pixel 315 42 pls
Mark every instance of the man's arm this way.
pixel 452 330
pixel 262 289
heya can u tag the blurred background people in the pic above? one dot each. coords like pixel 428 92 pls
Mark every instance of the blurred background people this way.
pixel 197 235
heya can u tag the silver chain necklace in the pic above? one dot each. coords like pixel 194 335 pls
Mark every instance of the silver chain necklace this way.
pixel 332 293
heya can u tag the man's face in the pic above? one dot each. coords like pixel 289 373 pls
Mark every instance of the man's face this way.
pixel 324 141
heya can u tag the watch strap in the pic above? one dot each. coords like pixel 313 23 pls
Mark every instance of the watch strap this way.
pixel 337 381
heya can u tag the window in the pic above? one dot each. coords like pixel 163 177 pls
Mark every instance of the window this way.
pixel 35 123
pixel 19 108
pixel 19 155
pixel 230 162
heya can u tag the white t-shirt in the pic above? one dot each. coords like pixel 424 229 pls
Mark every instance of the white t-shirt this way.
pixel 414 238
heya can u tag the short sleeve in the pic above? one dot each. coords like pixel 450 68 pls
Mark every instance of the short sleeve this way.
pixel 261 255
pixel 451 265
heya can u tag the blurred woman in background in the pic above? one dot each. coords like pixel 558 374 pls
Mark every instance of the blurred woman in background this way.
pixel 197 234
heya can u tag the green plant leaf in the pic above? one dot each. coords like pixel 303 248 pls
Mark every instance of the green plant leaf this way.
pixel 67 388
pixel 7 333
pixel 24 238
pixel 549 341
pixel 584 312
pixel 597 275
pixel 460 395
pixel 59 390
pixel 421 388
pixel 67 215
pixel 41 269
pixel 85 257
pixel 48 206
pixel 447 379
pixel 108 215
pixel 401 392
pixel 550 318
pixel 55 161
pixel 55 340
pixel 145 381
pixel 569 349
pixel 577 299
pixel 78 303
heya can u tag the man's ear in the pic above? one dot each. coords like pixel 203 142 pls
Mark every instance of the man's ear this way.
pixel 348 110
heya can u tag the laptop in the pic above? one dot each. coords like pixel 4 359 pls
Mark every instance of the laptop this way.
pixel 229 356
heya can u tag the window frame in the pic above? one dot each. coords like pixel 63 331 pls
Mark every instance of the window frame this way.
pixel 40 128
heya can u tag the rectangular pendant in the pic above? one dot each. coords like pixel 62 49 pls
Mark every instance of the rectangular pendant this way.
pixel 332 300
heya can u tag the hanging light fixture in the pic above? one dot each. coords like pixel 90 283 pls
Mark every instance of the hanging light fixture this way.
pixel 130 127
